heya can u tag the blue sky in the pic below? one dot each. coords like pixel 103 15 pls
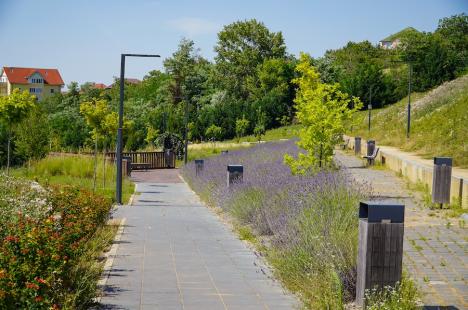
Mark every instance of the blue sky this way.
pixel 84 38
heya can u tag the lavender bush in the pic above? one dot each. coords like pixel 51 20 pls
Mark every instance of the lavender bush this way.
pixel 310 222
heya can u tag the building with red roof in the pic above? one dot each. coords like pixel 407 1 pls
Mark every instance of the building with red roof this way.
pixel 39 82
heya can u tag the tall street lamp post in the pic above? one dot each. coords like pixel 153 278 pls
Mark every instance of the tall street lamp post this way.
pixel 408 125
pixel 369 107
pixel 118 192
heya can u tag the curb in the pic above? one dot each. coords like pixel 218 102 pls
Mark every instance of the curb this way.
pixel 109 256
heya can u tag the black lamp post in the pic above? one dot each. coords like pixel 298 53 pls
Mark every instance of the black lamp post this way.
pixel 408 125
pixel 118 192
pixel 369 107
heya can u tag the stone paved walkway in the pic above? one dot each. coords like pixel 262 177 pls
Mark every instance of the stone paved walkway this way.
pixel 176 254
pixel 435 248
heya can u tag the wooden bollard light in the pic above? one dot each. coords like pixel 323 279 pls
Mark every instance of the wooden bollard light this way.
pixel 235 174
pixel 357 145
pixel 199 166
pixel 380 252
pixel 441 179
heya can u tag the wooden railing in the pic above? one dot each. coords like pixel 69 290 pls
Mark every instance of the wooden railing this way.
pixel 156 160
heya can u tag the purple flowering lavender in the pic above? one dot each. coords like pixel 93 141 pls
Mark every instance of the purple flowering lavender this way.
pixel 315 215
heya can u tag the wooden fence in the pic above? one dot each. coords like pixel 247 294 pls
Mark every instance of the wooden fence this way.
pixel 156 160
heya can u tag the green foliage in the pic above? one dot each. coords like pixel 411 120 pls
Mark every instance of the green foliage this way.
pixel 454 29
pixel 38 255
pixel 13 109
pixel 241 47
pixel 432 58
pixel 241 127
pixel 32 136
pixel 322 109
pixel 214 132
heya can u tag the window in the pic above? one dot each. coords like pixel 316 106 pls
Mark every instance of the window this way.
pixel 52 91
pixel 35 90
pixel 37 81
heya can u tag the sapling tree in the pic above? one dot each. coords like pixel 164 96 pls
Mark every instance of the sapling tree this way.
pixel 102 121
pixel 322 109
pixel 260 129
pixel 214 133
pixel 242 125
pixel 13 109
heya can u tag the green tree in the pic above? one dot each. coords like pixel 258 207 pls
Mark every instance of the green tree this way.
pixel 322 109
pixel 242 125
pixel 241 47
pixel 454 29
pixel 13 109
pixel 260 127
pixel 432 57
pixel 272 91
pixel 103 122
pixel 214 133
pixel 32 136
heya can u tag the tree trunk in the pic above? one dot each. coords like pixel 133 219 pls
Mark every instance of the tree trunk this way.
pixel 8 152
pixel 104 171
pixel 95 164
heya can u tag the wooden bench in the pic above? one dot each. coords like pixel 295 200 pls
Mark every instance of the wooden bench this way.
pixel 140 166
pixel 371 158
pixel 344 145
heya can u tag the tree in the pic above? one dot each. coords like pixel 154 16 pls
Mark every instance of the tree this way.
pixel 272 91
pixel 241 47
pixel 214 133
pixel 454 29
pixel 433 59
pixel 13 109
pixel 260 129
pixel 102 121
pixel 32 136
pixel 322 109
pixel 242 125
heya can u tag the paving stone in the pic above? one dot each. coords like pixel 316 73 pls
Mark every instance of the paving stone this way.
pixel 179 255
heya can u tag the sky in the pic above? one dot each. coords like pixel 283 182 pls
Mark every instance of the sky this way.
pixel 84 38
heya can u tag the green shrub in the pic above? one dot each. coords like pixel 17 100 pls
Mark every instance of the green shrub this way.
pixel 38 254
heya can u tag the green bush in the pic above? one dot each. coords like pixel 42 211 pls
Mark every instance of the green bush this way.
pixel 39 253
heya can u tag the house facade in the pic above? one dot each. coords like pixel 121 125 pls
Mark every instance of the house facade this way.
pixel 41 83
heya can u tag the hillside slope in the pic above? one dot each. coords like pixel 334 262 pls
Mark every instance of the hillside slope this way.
pixel 439 123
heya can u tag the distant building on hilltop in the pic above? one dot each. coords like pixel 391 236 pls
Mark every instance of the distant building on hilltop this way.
pixel 39 82
pixel 393 41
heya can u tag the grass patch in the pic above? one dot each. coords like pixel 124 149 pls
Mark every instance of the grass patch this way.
pixel 403 296
pixel 88 269
pixel 76 170
pixel 285 132
pixel 438 123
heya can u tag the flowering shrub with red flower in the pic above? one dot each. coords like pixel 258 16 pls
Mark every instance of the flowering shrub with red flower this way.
pixel 39 247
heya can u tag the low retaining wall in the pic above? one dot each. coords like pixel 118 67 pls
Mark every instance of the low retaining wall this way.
pixel 416 171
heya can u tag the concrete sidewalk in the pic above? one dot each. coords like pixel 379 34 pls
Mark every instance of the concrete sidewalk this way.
pixel 435 248
pixel 176 254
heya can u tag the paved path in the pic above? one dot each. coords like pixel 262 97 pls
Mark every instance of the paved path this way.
pixel 435 253
pixel 176 254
